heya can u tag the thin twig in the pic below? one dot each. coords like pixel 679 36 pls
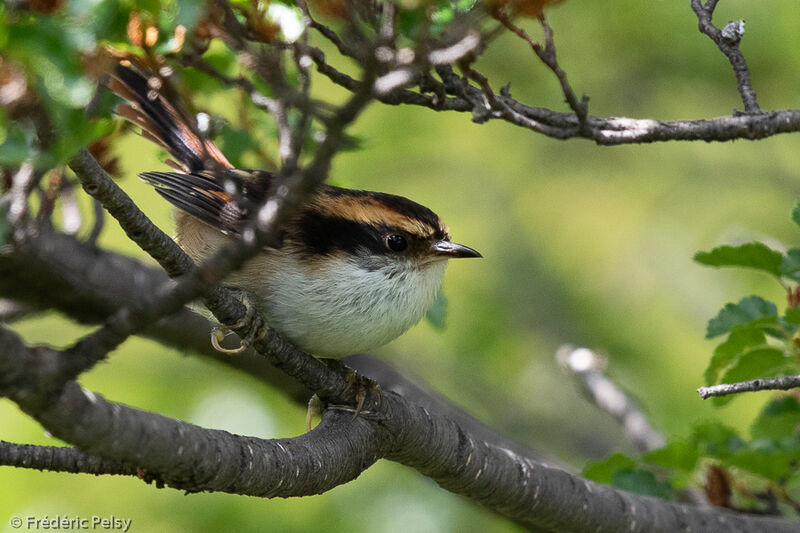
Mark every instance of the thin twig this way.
pixel 753 385
pixel 99 223
pixel 727 40
pixel 547 55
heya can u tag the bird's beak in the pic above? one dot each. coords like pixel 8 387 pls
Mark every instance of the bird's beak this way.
pixel 447 249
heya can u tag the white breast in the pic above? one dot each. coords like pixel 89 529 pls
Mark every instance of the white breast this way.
pixel 340 308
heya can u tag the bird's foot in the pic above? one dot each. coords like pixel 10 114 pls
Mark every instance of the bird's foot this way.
pixel 255 325
pixel 364 388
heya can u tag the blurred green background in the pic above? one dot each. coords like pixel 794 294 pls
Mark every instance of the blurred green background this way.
pixel 582 244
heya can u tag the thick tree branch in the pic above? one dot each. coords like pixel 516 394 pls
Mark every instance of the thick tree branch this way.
pixel 60 459
pixel 190 458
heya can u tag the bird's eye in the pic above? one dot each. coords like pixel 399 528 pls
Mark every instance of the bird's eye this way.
pixel 396 243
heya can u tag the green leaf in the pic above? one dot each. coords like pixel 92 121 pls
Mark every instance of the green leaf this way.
pixel 17 146
pixel 714 439
pixel 772 458
pixel 678 454
pixel 742 338
pixel 784 331
pixel 753 255
pixel 793 315
pixel 437 312
pixel 642 482
pixel 790 265
pixel 779 418
pixel 604 471
pixel 748 310
pixel 761 363
pixel 409 20
pixel 792 484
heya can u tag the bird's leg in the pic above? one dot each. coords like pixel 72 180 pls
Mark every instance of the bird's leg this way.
pixel 252 320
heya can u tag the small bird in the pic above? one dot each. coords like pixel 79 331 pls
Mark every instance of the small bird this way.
pixel 351 271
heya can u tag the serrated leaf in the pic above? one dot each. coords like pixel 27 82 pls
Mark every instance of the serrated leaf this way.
pixel 642 482
pixel 751 255
pixel 741 339
pixel 437 312
pixel 748 310
pixel 761 363
pixel 603 471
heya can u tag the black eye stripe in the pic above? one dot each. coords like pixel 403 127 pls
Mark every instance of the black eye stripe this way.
pixel 325 235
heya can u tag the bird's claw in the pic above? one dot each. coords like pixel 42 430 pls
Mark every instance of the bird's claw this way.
pixel 363 386
pixel 314 409
pixel 254 323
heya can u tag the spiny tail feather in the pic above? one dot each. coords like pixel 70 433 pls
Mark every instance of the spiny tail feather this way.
pixel 200 196
pixel 164 123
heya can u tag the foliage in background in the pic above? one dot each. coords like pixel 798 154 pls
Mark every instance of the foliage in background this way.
pixel 759 472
